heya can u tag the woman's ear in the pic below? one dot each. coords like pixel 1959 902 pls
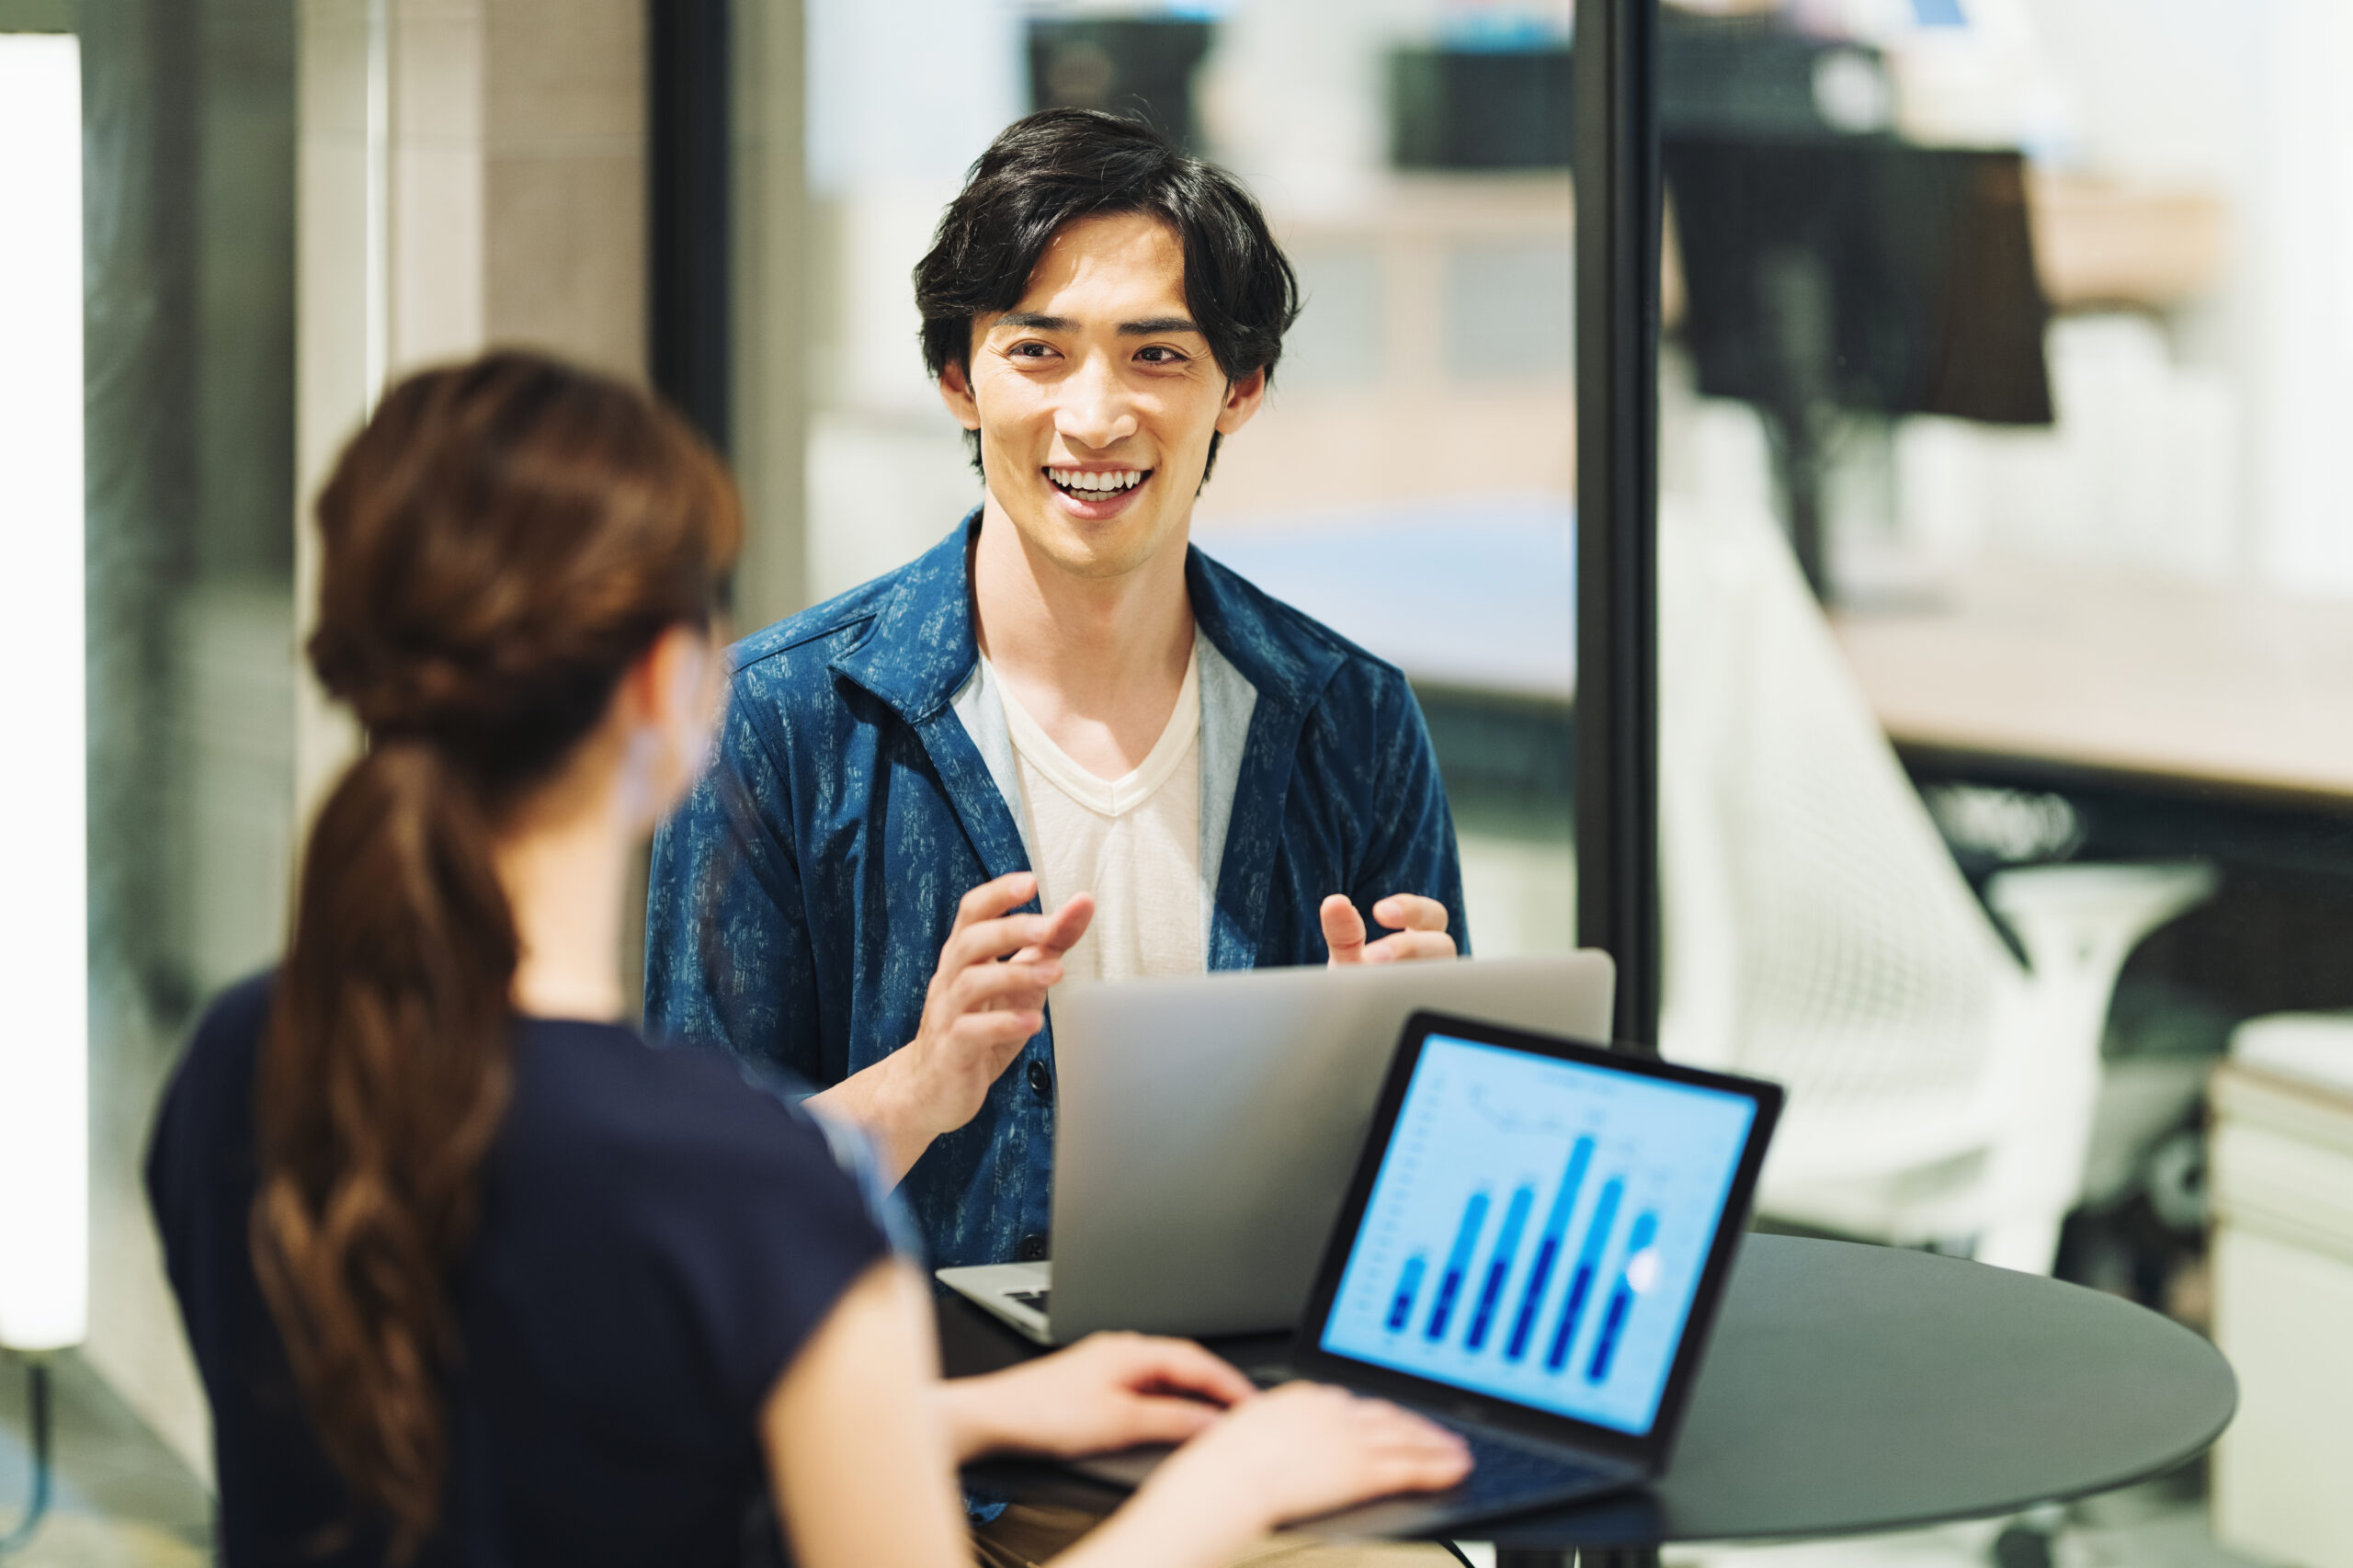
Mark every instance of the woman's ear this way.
pixel 670 699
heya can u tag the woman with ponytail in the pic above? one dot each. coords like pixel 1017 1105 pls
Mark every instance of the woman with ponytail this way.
pixel 471 1273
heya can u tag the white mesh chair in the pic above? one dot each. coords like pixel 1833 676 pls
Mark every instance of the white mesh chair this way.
pixel 1818 932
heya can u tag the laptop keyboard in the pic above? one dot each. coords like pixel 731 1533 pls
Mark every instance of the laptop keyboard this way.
pixel 1501 1472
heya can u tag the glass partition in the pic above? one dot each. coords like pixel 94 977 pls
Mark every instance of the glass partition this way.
pixel 1410 480
pixel 2006 786
pixel 187 323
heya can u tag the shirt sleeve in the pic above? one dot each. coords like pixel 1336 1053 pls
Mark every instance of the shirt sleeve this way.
pixel 1411 848
pixel 728 963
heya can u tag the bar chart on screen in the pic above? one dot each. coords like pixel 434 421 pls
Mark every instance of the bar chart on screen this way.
pixel 1537 1229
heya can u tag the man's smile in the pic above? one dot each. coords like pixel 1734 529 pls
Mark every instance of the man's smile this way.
pixel 1094 494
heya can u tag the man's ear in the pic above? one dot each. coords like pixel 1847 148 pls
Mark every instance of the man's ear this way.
pixel 956 392
pixel 1242 400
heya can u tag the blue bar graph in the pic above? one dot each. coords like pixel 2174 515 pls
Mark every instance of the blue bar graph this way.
pixel 1499 1265
pixel 1458 1263
pixel 1621 1299
pixel 1596 1241
pixel 1537 1229
pixel 1548 1249
pixel 1401 1306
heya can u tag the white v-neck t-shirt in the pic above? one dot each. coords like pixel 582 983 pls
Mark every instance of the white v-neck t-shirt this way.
pixel 1134 843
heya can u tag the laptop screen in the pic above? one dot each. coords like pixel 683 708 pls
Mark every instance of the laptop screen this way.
pixel 1537 1229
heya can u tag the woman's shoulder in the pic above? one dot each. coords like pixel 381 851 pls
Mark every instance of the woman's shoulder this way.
pixel 694 1206
pixel 643 1121
pixel 209 1094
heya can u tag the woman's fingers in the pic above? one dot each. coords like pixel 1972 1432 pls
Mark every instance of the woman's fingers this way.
pixel 1304 1449
pixel 1155 1364
pixel 1183 1366
pixel 1163 1418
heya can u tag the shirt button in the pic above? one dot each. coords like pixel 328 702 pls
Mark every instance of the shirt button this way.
pixel 1041 1083
pixel 1033 1249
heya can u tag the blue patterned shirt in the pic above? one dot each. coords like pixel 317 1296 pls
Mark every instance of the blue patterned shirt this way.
pixel 802 894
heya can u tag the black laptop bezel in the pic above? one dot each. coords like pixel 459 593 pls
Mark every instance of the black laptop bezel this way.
pixel 1648 1451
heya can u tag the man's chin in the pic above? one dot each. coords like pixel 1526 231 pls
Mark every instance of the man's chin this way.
pixel 1096 559
pixel 1114 548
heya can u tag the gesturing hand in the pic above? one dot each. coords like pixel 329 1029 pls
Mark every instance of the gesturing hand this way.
pixel 1305 1450
pixel 1419 923
pixel 1109 1391
pixel 978 1012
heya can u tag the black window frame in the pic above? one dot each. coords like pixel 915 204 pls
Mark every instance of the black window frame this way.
pixel 1618 312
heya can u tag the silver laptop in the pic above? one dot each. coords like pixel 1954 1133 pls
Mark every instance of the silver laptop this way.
pixel 1531 1251
pixel 1206 1127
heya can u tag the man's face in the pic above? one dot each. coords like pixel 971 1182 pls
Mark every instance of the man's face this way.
pixel 1096 397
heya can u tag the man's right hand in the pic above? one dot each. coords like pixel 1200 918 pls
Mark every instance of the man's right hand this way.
pixel 986 1000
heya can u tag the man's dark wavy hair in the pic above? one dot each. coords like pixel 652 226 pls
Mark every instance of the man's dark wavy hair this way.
pixel 1062 164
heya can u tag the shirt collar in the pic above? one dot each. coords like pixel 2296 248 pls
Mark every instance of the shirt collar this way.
pixel 923 647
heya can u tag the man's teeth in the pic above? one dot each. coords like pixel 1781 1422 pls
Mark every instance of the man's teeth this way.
pixel 1099 482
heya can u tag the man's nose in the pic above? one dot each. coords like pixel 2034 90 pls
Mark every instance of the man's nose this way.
pixel 1093 411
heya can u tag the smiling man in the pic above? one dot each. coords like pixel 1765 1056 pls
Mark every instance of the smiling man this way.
pixel 1062 701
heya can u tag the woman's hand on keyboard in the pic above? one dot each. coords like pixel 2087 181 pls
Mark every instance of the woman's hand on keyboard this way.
pixel 1307 1448
pixel 1109 1391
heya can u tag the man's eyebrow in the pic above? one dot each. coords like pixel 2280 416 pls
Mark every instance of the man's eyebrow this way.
pixel 1035 322
pixel 1149 327
pixel 1157 325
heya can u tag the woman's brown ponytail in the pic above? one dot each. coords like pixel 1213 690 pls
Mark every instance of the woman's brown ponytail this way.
pixel 501 543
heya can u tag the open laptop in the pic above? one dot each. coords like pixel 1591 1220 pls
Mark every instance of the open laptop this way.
pixel 1206 1125
pixel 1531 1251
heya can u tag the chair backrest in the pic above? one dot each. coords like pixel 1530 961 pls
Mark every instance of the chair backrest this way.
pixel 1817 929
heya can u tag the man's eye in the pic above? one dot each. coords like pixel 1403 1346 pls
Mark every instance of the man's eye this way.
pixel 1030 350
pixel 1158 355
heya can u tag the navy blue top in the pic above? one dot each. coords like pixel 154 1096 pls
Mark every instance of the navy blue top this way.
pixel 802 894
pixel 657 1238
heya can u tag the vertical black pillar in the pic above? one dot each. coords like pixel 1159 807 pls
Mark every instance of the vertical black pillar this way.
pixel 687 223
pixel 1618 325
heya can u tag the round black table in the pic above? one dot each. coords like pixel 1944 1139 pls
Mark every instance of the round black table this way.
pixel 1854 1389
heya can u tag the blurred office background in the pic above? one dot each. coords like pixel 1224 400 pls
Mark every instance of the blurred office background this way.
pixel 2007 769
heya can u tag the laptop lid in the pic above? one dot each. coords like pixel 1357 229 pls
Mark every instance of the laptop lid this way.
pixel 1537 1236
pixel 1184 1105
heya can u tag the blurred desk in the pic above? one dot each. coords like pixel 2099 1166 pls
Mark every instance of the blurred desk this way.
pixel 2145 680
pixel 2177 717
pixel 1474 599
pixel 1477 594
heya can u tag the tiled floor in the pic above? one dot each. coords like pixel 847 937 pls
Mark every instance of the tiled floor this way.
pixel 122 1499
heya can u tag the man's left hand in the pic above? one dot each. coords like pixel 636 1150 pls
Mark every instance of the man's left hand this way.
pixel 1419 925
